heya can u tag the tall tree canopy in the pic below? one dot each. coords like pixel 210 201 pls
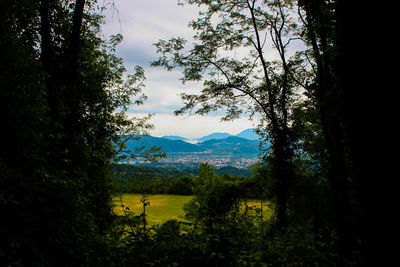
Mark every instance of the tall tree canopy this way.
pixel 63 95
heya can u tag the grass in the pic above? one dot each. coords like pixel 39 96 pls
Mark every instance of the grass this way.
pixel 170 207
pixel 162 207
pixel 254 207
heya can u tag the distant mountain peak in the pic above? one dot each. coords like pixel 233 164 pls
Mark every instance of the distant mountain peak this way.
pixel 174 137
pixel 214 136
pixel 220 149
pixel 228 140
pixel 249 134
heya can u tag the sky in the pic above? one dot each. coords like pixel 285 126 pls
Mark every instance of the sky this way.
pixel 142 23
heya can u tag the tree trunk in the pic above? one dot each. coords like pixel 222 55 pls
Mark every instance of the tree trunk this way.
pixel 330 105
pixel 337 177
pixel 46 55
pixel 73 96
pixel 76 31
pixel 282 170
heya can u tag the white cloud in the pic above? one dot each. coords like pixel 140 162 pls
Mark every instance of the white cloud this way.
pixel 163 90
pixel 143 23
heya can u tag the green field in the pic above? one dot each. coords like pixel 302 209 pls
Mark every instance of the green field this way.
pixel 162 207
pixel 168 207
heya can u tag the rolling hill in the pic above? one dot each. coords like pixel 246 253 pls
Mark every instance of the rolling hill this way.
pixel 168 146
pixel 229 145
pixel 174 137
pixel 222 150
pixel 249 134
pixel 214 136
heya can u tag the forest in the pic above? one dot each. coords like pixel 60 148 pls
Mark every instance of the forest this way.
pixel 328 111
pixel 158 180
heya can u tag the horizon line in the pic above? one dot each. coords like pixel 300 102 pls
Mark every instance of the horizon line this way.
pixel 197 137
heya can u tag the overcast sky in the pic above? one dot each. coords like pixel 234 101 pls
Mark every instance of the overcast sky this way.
pixel 142 23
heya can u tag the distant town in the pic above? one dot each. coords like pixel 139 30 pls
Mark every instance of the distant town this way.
pixel 217 149
pixel 195 158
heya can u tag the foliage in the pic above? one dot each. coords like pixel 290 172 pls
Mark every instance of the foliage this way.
pixel 157 180
pixel 222 231
pixel 300 247
pixel 63 97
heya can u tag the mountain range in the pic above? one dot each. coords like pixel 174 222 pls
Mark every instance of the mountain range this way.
pixel 246 134
pixel 215 143
pixel 219 149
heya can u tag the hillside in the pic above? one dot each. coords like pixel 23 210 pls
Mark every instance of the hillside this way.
pixel 168 146
pixel 214 136
pixel 229 151
pixel 249 134
pixel 174 137
pixel 232 144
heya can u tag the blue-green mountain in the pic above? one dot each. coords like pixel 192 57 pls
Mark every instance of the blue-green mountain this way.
pixel 174 137
pixel 229 145
pixel 248 134
pixel 168 146
pixel 214 136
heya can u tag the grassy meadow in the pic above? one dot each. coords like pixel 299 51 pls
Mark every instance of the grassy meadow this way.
pixel 168 207
pixel 162 207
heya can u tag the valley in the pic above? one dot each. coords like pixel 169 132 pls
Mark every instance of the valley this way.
pixel 193 159
pixel 218 149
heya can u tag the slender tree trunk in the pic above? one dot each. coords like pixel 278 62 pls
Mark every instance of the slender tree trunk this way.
pixel 76 31
pixel 281 159
pixel 282 171
pixel 329 106
pixel 73 94
pixel 281 188
pixel 45 46
pixel 46 55
pixel 337 177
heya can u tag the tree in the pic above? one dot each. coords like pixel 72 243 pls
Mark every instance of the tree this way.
pixel 348 102
pixel 251 83
pixel 64 95
pixel 219 220
pixel 318 20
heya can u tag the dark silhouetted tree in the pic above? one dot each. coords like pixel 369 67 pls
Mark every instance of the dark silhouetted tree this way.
pixel 63 97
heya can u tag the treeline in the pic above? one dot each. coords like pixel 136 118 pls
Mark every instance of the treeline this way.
pixel 157 180
pixel 124 171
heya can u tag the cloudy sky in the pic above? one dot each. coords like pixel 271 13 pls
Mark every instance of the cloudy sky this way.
pixel 142 23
